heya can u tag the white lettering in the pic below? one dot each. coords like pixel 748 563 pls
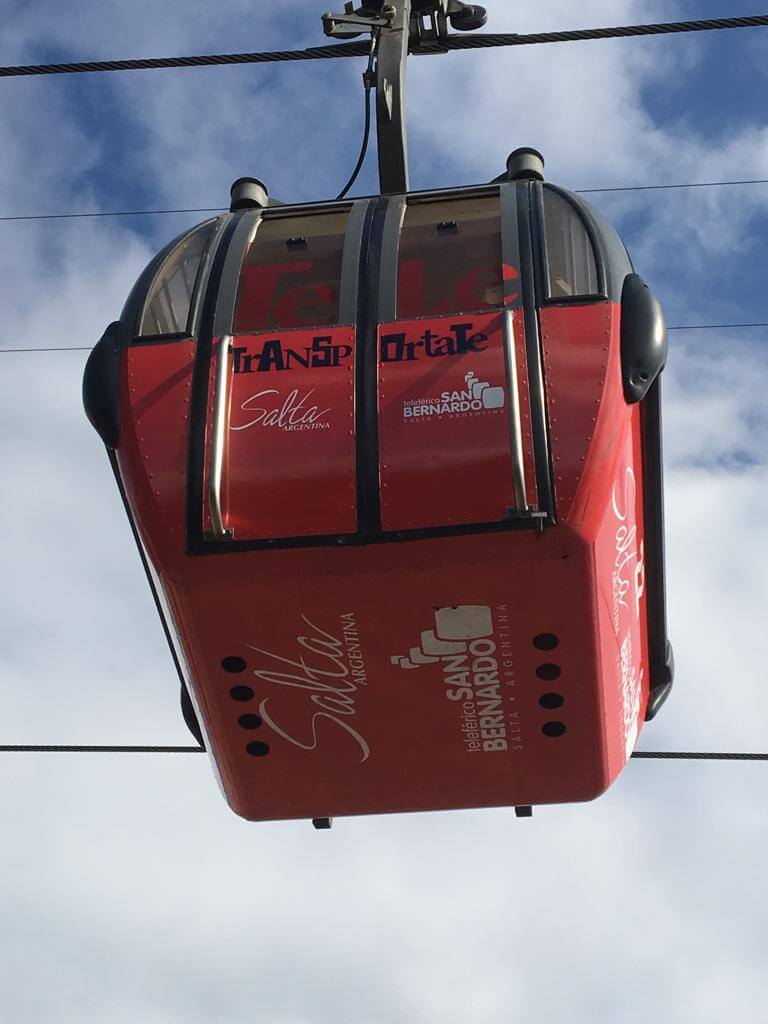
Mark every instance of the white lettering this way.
pixel 329 681
pixel 293 414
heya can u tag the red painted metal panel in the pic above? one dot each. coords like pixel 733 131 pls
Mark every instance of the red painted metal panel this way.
pixel 600 494
pixel 486 670
pixel 400 677
pixel 156 385
pixel 445 455
pixel 622 609
pixel 290 458
pixel 577 342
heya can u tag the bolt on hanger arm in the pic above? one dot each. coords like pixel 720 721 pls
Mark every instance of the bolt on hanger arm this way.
pixel 397 29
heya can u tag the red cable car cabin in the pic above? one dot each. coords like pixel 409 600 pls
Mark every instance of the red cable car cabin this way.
pixel 394 469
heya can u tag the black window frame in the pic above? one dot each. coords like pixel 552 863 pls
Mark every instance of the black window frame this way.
pixel 295 214
pixel 543 284
pixel 138 302
pixel 430 198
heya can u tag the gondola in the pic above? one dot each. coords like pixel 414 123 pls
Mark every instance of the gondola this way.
pixel 394 469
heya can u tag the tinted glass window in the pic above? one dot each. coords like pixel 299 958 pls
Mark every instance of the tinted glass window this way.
pixel 572 269
pixel 291 275
pixel 450 258
pixel 170 298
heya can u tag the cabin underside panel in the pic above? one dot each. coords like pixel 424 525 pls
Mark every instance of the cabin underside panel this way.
pixel 418 677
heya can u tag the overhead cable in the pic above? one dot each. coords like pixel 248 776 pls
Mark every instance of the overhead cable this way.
pixel 63 348
pixel 652 188
pixel 684 327
pixel 212 60
pixel 362 49
pixel 714 327
pixel 662 755
pixel 695 755
pixel 113 213
pixel 481 41
pixel 42 749
pixel 221 209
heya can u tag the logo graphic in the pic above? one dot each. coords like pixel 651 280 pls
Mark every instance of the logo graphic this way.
pixel 462 644
pixel 478 396
pixel 630 548
pixel 318 682
pixel 455 629
pixel 294 412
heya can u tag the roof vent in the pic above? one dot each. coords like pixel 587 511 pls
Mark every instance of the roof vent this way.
pixel 525 164
pixel 248 194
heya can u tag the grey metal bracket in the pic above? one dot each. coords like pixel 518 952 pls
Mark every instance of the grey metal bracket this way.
pixel 354 23
pixel 390 100
pixel 397 29
pixel 429 26
pixel 430 20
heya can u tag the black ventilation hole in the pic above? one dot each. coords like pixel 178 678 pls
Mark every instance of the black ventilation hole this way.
pixel 549 671
pixel 552 701
pixel 234 665
pixel 251 721
pixel 242 693
pixel 554 729
pixel 258 749
pixel 546 642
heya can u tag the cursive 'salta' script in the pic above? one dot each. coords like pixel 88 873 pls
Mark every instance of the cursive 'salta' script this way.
pixel 626 543
pixel 291 413
pixel 320 669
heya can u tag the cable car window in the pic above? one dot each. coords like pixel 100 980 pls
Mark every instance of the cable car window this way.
pixel 291 274
pixel 571 264
pixel 450 257
pixel 170 298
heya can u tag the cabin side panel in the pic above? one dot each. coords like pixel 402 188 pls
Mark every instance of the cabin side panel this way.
pixel 606 509
pixel 156 385
pixel 581 349
pixel 290 467
pixel 445 395
pixel 622 613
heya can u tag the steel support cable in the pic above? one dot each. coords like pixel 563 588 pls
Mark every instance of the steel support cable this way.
pixel 481 41
pixel 222 209
pixel 646 755
pixel 115 213
pixel 212 60
pixel 646 188
pixel 714 327
pixel 362 49
pixel 62 749
pixel 685 327
pixel 695 755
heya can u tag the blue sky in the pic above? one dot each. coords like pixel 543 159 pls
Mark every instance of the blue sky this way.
pixel 710 89
pixel 129 891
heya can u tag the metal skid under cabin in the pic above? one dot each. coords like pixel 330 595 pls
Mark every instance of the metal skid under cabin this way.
pixel 394 469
